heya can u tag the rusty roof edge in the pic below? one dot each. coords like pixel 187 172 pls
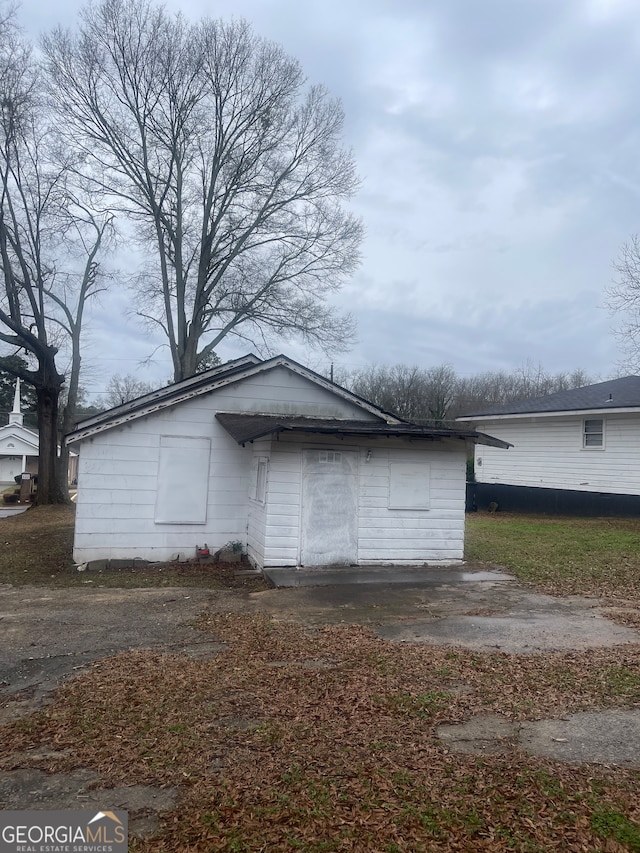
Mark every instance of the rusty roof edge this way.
pixel 336 426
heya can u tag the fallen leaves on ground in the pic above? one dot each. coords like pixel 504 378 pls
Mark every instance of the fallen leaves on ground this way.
pixel 36 549
pixel 325 740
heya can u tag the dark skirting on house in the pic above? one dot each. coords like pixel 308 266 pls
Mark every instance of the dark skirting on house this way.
pixel 506 498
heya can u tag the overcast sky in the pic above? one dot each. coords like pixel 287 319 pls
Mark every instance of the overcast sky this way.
pixel 499 148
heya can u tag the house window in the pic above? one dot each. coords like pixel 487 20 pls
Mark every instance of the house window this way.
pixel 258 480
pixel 593 433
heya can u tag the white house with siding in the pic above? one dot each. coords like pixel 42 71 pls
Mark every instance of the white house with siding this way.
pixel 577 450
pixel 273 456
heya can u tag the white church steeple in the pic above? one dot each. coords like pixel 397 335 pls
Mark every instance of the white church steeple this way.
pixel 16 416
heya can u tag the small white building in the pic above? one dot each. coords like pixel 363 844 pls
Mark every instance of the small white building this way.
pixel 270 455
pixel 574 451
pixel 19 446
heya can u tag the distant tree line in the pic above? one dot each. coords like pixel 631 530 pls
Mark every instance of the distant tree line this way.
pixel 439 394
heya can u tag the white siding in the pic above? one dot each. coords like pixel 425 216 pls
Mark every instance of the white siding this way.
pixel 14 445
pixel 257 510
pixel 412 536
pixel 118 473
pixel 280 391
pixel 385 536
pixel 282 538
pixel 548 453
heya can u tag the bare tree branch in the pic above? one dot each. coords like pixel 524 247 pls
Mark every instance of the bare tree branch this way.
pixel 228 164
pixel 624 300
pixel 43 226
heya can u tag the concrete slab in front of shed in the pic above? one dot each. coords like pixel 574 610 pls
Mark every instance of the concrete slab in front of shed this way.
pixel 473 606
pixel 543 627
pixel 609 737
pixel 410 575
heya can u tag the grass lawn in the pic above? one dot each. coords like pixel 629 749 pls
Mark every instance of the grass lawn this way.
pixel 590 556
pixel 36 549
pixel 321 740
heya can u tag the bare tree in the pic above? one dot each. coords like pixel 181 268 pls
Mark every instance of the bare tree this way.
pixel 498 388
pixel 396 389
pixel 82 232
pixel 123 389
pixel 438 394
pixel 231 167
pixel 35 210
pixel 624 300
pixel 442 387
pixel 412 393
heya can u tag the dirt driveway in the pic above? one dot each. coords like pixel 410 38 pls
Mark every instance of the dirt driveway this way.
pixel 49 634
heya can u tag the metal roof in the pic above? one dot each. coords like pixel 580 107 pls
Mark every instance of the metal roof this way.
pixel 188 387
pixel 249 427
pixel 202 383
pixel 613 394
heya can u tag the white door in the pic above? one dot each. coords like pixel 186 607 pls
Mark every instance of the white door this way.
pixel 329 508
pixel 10 467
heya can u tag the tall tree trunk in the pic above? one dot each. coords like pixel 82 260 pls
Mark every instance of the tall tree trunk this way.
pixel 189 357
pixel 52 487
pixel 62 475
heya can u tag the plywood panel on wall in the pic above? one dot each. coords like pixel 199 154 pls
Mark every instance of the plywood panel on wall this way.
pixel 183 479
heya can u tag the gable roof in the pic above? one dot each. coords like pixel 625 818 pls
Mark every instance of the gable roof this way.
pixel 21 433
pixel 210 380
pixel 621 393
pixel 249 427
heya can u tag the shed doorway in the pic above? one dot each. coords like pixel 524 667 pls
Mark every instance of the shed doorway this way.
pixel 329 508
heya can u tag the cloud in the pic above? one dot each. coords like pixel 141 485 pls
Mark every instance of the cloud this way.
pixel 498 145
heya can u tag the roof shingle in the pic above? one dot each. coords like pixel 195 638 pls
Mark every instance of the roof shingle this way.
pixel 613 394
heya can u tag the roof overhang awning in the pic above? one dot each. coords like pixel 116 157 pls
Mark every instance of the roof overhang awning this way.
pixel 250 427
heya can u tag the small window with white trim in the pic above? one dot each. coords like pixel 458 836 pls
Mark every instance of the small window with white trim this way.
pixel 329 456
pixel 258 480
pixel 261 480
pixel 593 433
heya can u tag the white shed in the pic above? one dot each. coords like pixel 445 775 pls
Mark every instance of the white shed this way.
pixel 273 456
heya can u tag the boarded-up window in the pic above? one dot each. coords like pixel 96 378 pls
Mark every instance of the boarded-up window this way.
pixel 409 485
pixel 183 480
